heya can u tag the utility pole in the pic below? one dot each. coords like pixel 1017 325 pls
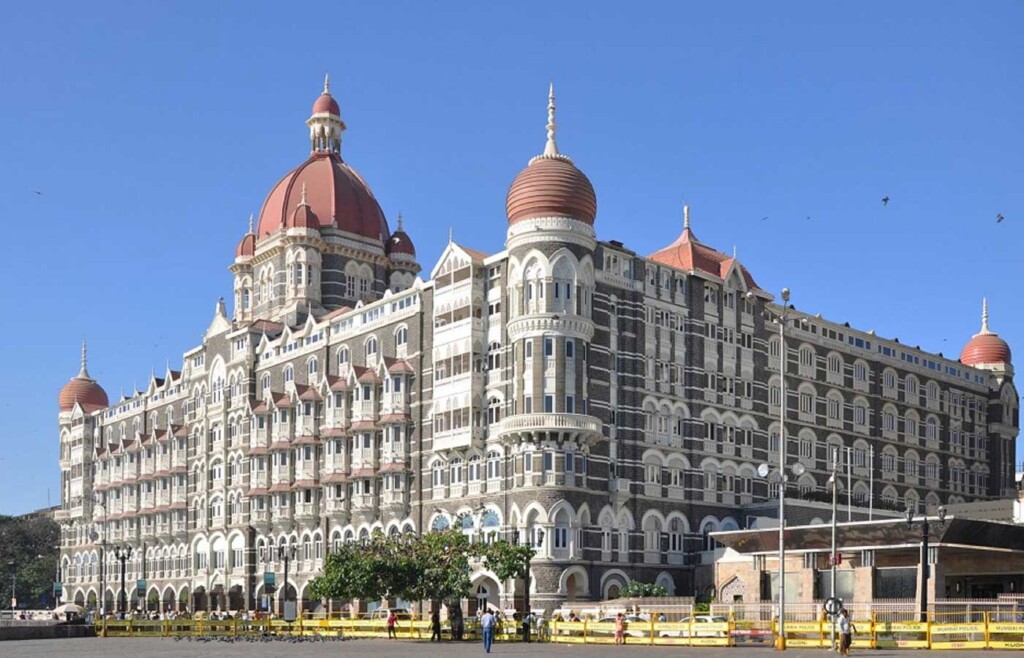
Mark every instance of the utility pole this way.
pixel 834 557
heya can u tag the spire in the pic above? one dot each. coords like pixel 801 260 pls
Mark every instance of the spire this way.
pixel 327 83
pixel 84 372
pixel 302 200
pixel 686 217
pixel 984 316
pixel 551 148
pixel 250 223
pixel 400 221
pixel 451 234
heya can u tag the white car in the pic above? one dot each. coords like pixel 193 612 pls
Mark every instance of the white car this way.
pixel 640 626
pixel 697 621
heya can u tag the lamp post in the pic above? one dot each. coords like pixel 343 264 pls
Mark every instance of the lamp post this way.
pixel 780 640
pixel 13 568
pixel 123 554
pixel 286 554
pixel 833 558
pixel 924 555
pixel 101 501
pixel 526 593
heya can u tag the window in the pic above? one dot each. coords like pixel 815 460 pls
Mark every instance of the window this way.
pixel 570 349
pixel 312 367
pixel 549 404
pixel 289 374
pixel 549 346
pixel 401 336
pixel 527 462
pixel 570 404
pixel 343 357
pixel 371 347
pixel 549 461
pixel 806 402
pixel 529 349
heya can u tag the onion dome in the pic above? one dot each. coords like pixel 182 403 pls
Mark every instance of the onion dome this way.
pixel 83 390
pixel 400 242
pixel 336 195
pixel 326 104
pixel 985 347
pixel 689 254
pixel 551 185
pixel 247 245
pixel 304 217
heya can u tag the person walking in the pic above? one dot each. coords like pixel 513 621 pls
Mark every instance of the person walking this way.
pixel 487 624
pixel 846 631
pixel 435 624
pixel 620 629
pixel 392 620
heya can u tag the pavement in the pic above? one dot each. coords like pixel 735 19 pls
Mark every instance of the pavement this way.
pixel 171 648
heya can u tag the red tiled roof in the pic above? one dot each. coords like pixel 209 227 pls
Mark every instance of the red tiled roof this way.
pixel 282 400
pixel 690 255
pixel 280 445
pixel 306 439
pixel 550 187
pixel 338 383
pixel 363 425
pixel 400 366
pixel 333 478
pixel 367 375
pixel 258 491
pixel 257 450
pixel 362 472
pixel 394 467
pixel 306 484
pixel 278 487
pixel 394 418
pixel 307 392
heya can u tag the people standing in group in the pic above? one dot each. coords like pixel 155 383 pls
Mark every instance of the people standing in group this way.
pixel 846 631
pixel 620 629
pixel 392 621
pixel 487 625
pixel 435 624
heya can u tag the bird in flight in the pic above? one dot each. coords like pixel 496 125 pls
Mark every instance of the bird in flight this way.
pixel 38 192
pixel 763 218
pixel 885 200
pixel 999 217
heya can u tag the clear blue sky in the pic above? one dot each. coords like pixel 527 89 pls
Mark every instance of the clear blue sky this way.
pixel 154 129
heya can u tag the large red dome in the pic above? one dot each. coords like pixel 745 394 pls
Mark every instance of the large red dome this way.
pixel 551 187
pixel 985 348
pixel 84 391
pixel 337 196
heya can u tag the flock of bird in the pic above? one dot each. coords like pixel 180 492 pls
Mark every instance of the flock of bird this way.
pixel 241 639
pixel 885 202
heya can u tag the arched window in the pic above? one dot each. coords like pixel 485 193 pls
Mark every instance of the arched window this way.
pixel 265 384
pixel 401 336
pixel 371 347
pixel 289 374
pixel 343 357
pixel 312 366
pixel 456 471
pixel 440 524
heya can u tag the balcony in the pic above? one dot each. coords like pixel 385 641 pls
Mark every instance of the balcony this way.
pixel 306 511
pixel 571 426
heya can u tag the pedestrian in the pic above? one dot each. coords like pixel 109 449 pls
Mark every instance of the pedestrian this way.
pixel 846 631
pixel 620 629
pixel 435 624
pixel 392 620
pixel 487 624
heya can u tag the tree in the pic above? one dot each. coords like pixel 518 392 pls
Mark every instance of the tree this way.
pixel 29 551
pixel 637 589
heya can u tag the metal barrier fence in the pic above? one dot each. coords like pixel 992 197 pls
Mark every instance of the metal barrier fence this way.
pixel 949 630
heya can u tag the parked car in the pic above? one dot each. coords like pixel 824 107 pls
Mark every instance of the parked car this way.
pixel 636 626
pixel 697 620
pixel 382 614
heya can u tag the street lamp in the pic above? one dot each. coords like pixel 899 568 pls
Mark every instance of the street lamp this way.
pixel 13 568
pixel 286 554
pixel 834 556
pixel 123 554
pixel 924 554
pixel 780 640
pixel 526 594
pixel 94 536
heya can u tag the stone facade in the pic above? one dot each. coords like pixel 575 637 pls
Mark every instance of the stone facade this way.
pixel 610 408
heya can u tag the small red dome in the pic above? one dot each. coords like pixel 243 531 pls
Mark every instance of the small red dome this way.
pixel 304 217
pixel 84 391
pixel 551 186
pixel 247 245
pixel 326 104
pixel 401 243
pixel 984 349
pixel 336 194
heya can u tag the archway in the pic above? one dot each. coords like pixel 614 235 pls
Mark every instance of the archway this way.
pixel 200 600
pixel 183 598
pixel 79 599
pixel 218 599
pixel 168 600
pixel 236 598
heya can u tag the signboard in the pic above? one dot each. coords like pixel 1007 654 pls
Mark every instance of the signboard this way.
pixel 290 611
pixel 140 587
pixel 58 589
pixel 269 578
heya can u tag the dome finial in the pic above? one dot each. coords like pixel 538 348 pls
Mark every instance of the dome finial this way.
pixel 551 148
pixel 302 200
pixel 327 83
pixel 84 372
pixel 399 221
pixel 250 222
pixel 686 217
pixel 984 316
pixel 451 234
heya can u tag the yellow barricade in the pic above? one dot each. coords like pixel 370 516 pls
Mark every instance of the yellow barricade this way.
pixel 901 634
pixel 803 634
pixel 952 635
pixel 1004 635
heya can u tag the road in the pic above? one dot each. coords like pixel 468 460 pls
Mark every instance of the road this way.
pixel 170 648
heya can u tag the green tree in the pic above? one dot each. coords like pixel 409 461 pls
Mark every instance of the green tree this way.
pixel 637 589
pixel 29 552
